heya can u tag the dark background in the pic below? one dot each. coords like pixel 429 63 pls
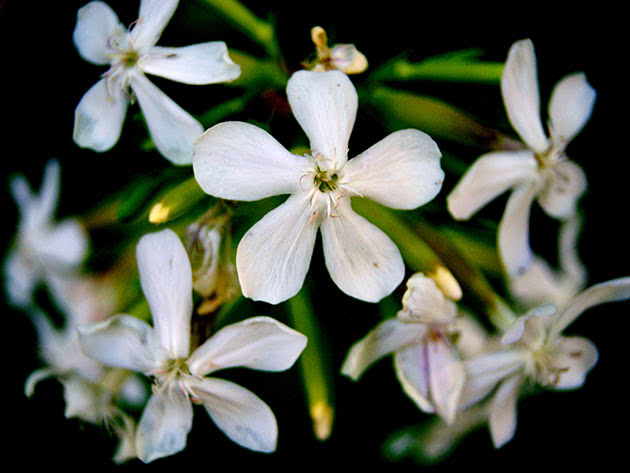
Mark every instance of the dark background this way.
pixel 43 79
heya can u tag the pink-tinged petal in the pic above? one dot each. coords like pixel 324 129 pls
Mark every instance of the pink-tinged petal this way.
pixel 413 372
pixel 96 25
pixel 238 412
pixel 239 161
pixel 166 280
pixel 361 259
pixel 122 341
pixel 387 337
pixel 609 291
pixel 503 411
pixel 260 343
pixel 401 171
pixel 573 357
pixel 485 371
pixel 487 178
pixel 173 130
pixel 423 302
pixel 513 243
pixel 164 425
pixel 205 63
pixel 99 117
pixel 446 378
pixel 519 87
pixel 325 104
pixel 153 17
pixel 273 257
pixel 565 183
pixel 570 107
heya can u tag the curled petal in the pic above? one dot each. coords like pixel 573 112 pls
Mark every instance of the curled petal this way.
pixel 387 337
pixel 514 248
pixel 153 17
pixel 99 117
pixel 164 425
pixel 325 104
pixel 519 87
pixel 361 259
pixel 503 411
pixel 401 171
pixel 260 343
pixel 565 183
pixel 166 280
pixel 423 302
pixel 570 107
pixel 205 63
pixel 516 330
pixel 575 356
pixel 487 178
pixel 273 257
pixel 238 412
pixel 348 59
pixel 239 161
pixel 96 25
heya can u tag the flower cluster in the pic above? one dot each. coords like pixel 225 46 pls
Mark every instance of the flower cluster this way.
pixel 141 336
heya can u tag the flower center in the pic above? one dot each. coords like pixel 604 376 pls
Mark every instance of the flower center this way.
pixel 325 180
pixel 542 368
pixel 170 372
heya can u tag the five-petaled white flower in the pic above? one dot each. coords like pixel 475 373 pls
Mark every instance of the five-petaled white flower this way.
pixel 542 170
pixel 163 351
pixel 101 39
pixel 239 161
pixel 427 364
pixel 44 250
pixel 536 350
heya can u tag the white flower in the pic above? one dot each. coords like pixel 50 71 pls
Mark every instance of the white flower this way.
pixel 239 161
pixel 537 351
pixel 43 249
pixel 163 351
pixel 342 57
pixel 427 364
pixel 102 40
pixel 541 171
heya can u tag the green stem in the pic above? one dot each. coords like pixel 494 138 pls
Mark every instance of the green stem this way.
pixel 443 70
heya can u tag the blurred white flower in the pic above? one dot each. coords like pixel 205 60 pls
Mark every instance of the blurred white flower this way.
pixel 239 161
pixel 540 171
pixel 102 40
pixel 536 350
pixel 163 351
pixel 43 250
pixel 427 363
pixel 342 57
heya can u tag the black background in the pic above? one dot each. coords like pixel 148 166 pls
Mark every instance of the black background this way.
pixel 43 78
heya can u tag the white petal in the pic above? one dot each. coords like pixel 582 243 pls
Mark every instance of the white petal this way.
pixel 513 243
pixel 348 59
pixel 574 358
pixel 538 284
pixel 274 255
pixel 570 107
pixel 85 400
pixel 63 247
pixel 423 302
pixel 239 161
pixel 260 343
pixel 389 336
pixel 503 411
pixel 519 87
pixel 166 280
pixel 447 375
pixel 484 372
pixel 173 130
pixel 239 413
pixel 413 372
pixel 122 341
pixel 325 104
pixel 20 279
pixel 96 24
pixel 515 331
pixel 35 377
pixel 401 171
pixel 205 63
pixel 565 184
pixel 99 117
pixel 570 262
pixel 154 15
pixel 609 291
pixel 164 425
pixel 361 259
pixel 487 178
pixel 42 207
